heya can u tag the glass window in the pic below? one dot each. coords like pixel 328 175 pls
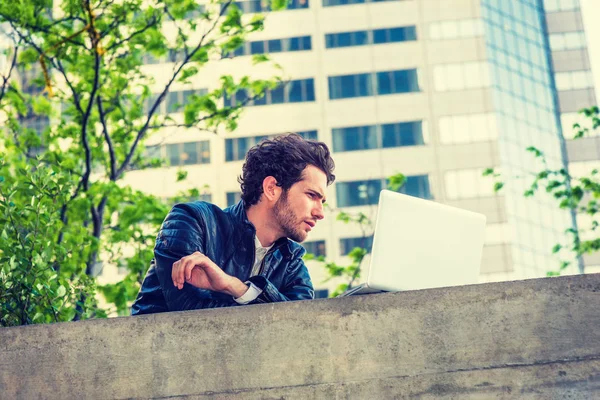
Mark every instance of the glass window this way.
pixel 348 244
pixel 347 86
pixel 173 154
pixel 355 138
pixel 402 134
pixel 233 198
pixel 275 46
pixel 190 153
pixel 417 186
pixel 358 193
pixel 236 148
pixel 468 183
pixel 317 248
pixel 454 76
pixel 456 29
pixel 397 82
pixel 257 47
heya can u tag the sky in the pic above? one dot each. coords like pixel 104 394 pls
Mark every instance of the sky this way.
pixel 591 21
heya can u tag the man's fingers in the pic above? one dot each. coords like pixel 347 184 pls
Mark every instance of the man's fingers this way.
pixel 174 273
pixel 182 269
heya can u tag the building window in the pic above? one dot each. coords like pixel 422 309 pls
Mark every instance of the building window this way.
pixel 347 86
pixel 377 36
pixel 394 35
pixel 560 5
pixel 317 248
pixel 189 153
pixel 257 6
pixel 358 193
pixel 403 81
pixel 296 91
pixel 457 29
pixel 366 192
pixel 360 85
pixel 378 136
pixel 469 128
pixel 299 43
pixel 175 101
pixel 332 3
pixel 233 198
pixel 461 76
pixel 38 123
pixel 236 148
pixel 574 80
pixel 567 41
pixel 468 183
pixel 349 244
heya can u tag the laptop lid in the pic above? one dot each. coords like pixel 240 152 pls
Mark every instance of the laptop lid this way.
pixel 420 244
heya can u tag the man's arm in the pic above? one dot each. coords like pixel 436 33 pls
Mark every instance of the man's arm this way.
pixel 181 235
pixel 297 286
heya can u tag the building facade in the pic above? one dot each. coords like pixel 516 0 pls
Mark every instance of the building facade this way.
pixel 437 90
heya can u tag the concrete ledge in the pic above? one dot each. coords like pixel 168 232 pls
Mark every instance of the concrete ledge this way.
pixel 526 339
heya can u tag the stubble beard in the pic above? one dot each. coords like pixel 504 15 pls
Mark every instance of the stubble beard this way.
pixel 287 221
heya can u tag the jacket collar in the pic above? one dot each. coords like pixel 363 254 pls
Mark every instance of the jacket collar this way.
pixel 238 212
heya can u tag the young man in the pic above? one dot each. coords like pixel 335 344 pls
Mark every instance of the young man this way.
pixel 207 257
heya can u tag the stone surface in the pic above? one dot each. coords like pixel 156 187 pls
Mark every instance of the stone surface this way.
pixel 525 339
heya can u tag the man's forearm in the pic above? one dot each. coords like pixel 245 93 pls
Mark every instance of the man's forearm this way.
pixel 236 288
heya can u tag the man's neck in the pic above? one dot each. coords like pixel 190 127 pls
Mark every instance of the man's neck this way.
pixel 262 218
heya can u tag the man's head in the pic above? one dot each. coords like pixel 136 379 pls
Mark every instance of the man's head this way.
pixel 288 176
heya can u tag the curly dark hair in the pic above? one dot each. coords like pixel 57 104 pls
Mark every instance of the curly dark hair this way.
pixel 283 158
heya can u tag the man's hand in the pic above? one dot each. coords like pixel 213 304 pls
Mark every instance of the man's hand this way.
pixel 198 270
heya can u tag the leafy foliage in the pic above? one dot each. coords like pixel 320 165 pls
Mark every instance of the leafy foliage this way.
pixel 77 69
pixel 579 194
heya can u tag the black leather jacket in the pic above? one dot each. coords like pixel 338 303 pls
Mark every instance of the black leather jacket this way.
pixel 227 238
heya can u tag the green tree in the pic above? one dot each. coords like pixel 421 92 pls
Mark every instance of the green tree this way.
pixel 350 274
pixel 577 193
pixel 63 207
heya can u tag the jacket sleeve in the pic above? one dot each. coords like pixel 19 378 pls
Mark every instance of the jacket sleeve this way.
pixel 181 235
pixel 298 285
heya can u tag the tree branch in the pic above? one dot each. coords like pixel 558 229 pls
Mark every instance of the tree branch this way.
pixel 152 23
pixel 111 150
pixel 5 79
pixel 144 129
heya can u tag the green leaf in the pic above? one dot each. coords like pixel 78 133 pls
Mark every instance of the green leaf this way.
pixel 498 186
pixel 181 175
pixel 61 291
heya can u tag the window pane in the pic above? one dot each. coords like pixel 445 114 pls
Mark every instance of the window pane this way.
pixel 275 46
pixel 257 47
pixel 295 91
pixel 277 95
pixel 173 151
pixel 381 36
pixel 233 198
pixel 355 138
pixel 348 244
pixel 317 248
pixel 190 153
pixel 358 192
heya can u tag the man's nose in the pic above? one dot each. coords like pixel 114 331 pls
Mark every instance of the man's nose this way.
pixel 318 212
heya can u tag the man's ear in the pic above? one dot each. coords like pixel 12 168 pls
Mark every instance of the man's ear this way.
pixel 270 189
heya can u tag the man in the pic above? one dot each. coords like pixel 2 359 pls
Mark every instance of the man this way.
pixel 206 257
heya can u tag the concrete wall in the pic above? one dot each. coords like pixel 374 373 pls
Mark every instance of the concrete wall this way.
pixel 525 339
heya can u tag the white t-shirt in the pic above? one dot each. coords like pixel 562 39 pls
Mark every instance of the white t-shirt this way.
pixel 253 291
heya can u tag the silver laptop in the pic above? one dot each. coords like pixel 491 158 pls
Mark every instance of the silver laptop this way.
pixel 420 244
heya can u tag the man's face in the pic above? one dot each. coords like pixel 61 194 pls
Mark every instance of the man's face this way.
pixel 298 210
